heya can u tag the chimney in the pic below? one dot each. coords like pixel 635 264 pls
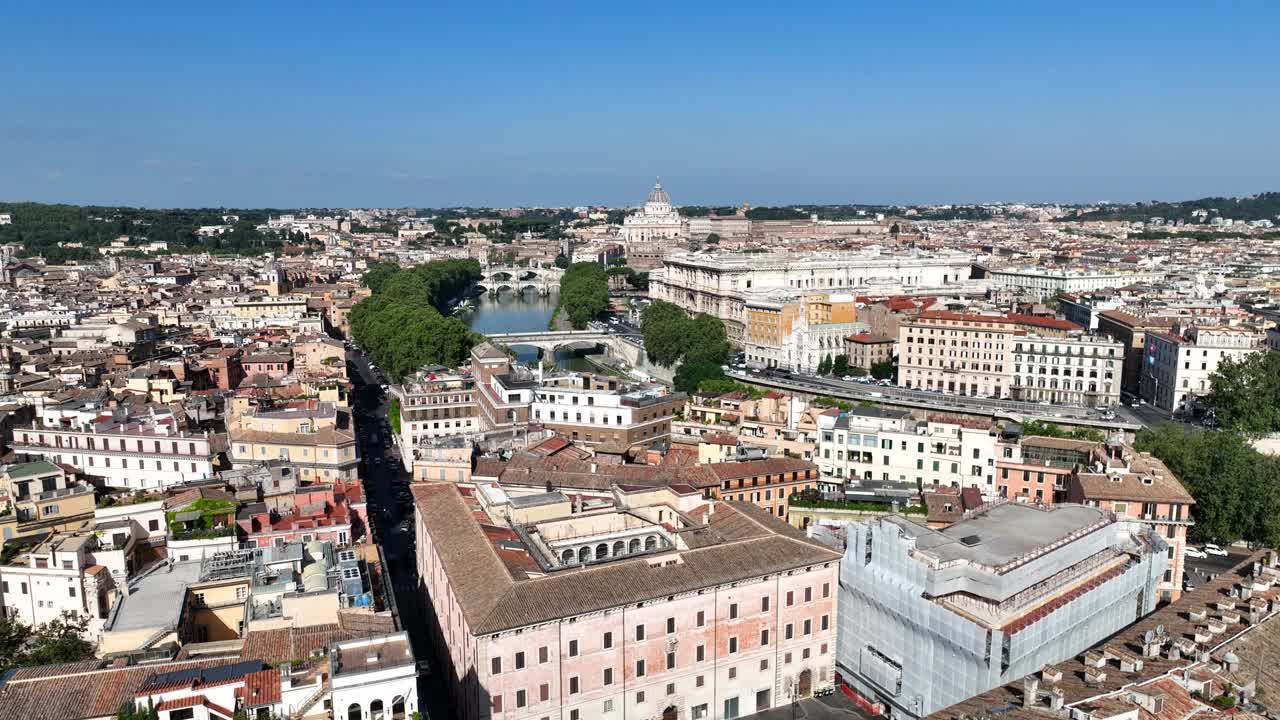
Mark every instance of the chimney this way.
pixel 1030 690
pixel 1056 699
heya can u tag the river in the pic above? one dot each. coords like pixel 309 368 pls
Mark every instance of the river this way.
pixel 523 312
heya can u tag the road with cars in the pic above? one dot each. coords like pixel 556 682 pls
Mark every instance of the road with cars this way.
pixel 865 389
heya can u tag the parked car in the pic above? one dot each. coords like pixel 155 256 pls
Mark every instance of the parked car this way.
pixel 1196 553
pixel 1214 550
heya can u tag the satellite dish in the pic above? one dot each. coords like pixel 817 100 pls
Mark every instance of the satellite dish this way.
pixel 1149 637
pixel 1160 630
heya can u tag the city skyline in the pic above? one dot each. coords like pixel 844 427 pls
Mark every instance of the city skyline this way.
pixel 289 107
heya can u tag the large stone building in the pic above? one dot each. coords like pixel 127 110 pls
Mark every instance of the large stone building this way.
pixel 1044 282
pixel 875 447
pixel 1025 357
pixel 318 439
pixel 596 410
pixel 1081 370
pixel 1179 363
pixel 796 331
pixel 657 220
pixel 657 603
pixel 719 284
pixel 139 454
pixel 931 617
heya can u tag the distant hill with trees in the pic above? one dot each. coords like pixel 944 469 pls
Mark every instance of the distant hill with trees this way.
pixel 62 233
pixel 1264 206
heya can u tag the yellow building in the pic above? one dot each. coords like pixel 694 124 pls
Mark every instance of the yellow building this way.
pixel 39 497
pixel 771 320
pixel 216 609
pixel 317 439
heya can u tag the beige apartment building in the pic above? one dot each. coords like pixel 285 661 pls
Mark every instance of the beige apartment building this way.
pixel 957 353
pixel 317 439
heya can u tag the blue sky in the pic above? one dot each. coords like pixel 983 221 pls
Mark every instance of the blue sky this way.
pixel 439 104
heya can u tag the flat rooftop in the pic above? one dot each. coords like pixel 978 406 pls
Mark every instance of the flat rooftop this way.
pixel 158 599
pixel 1004 533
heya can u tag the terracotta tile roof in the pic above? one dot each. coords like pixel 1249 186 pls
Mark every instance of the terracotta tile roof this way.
pixel 261 688
pixel 492 600
pixel 71 694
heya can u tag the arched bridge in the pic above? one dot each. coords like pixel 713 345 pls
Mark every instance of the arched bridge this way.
pixel 628 347
pixel 543 280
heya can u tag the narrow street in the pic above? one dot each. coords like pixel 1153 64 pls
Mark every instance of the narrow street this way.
pixel 386 486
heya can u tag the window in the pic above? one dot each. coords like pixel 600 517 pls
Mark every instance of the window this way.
pixel 640 668
pixel 699 681
pixel 808 626
pixel 671 661
pixel 764 637
pixel 791 598
pixel 640 697
pixel 808 594
pixel 702 618
pixel 71 591
pixel 520 660
pixel 733 673
pixel 542 654
pixel 733 645
pixel 573 685
pixel 544 692
pixel 573 715
pixel 608 676
pixel 671 625
pixel 520 699
pixel 607 641
pixel 639 632
pixel 573 648
pixel 788 632
pixel 733 612
pixel 764 664
pixel 701 653
pixel 608 705
pixel 826 622
pixel 495 666
pixel 764 604
pixel 826 590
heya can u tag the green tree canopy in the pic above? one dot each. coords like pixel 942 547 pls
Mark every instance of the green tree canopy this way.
pixel 824 367
pixel 884 370
pixel 693 373
pixel 840 366
pixel 1236 488
pixel 401 325
pixel 670 335
pixel 60 640
pixel 1245 394
pixel 584 293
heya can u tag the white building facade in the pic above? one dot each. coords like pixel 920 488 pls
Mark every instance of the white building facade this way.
pixel 888 448
pixel 1083 370
pixel 715 283
pixel 130 455
pixel 1177 366
pixel 657 220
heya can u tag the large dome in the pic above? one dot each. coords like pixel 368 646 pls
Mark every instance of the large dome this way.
pixel 658 195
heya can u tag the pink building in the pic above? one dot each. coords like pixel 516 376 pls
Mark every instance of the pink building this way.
pixel 665 605
pixel 273 365
pixel 323 512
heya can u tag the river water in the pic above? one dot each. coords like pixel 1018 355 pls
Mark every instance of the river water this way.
pixel 523 312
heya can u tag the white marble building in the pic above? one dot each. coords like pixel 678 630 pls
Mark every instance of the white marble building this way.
pixel 657 220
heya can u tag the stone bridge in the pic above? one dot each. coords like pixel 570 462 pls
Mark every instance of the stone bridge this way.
pixel 543 280
pixel 627 347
